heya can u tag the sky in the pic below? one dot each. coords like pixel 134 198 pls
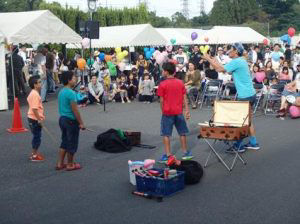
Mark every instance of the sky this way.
pixel 162 7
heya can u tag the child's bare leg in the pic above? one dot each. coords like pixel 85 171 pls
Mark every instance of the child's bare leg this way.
pixel 166 141
pixel 183 143
pixel 70 157
pixel 61 157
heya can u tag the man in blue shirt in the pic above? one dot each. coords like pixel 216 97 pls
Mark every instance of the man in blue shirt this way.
pixel 238 66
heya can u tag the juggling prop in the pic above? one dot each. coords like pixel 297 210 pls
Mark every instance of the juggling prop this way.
pixel 135 166
pixel 295 111
pixel 260 76
pixel 194 36
pixel 291 31
pixel 81 63
pixel 85 42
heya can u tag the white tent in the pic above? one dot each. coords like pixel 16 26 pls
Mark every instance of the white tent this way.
pixel 229 35
pixel 36 27
pixel 3 87
pixel 126 36
pixel 181 36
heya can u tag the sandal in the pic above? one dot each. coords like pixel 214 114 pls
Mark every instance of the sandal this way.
pixel 76 166
pixel 64 166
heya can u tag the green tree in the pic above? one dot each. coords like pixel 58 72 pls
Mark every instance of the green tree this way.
pixel 180 21
pixel 200 21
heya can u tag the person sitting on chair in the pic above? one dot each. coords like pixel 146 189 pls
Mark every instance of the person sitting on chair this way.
pixel 192 84
pixel 95 91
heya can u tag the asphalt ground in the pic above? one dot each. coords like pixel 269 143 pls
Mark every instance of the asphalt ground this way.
pixel 266 190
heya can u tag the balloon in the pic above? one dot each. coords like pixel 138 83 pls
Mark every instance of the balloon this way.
pixel 90 62
pixel 118 50
pixel 276 56
pixel 81 63
pixel 286 39
pixel 169 48
pixel 295 111
pixel 266 42
pixel 173 41
pixel 194 36
pixel 85 42
pixel 204 49
pixel 125 53
pixel 148 55
pixel 102 56
pixel 112 69
pixel 206 39
pixel 260 76
pixel 146 49
pixel 120 57
pixel 121 66
pixel 108 58
pixel 152 50
pixel 291 31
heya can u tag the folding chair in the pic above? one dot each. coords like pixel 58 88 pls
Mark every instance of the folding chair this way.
pixel 211 91
pixel 230 123
pixel 273 98
pixel 259 88
pixel 228 87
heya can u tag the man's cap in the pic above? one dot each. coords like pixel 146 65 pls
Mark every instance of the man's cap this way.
pixel 239 47
pixel 220 49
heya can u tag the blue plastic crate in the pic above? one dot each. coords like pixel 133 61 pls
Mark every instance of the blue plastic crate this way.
pixel 160 187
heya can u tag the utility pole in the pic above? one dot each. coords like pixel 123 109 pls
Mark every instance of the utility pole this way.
pixel 202 7
pixel 185 8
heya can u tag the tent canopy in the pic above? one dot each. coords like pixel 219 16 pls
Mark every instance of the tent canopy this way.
pixel 230 34
pixel 36 27
pixel 127 36
pixel 181 37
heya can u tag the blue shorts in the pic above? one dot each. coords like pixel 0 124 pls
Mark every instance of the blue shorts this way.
pixel 287 93
pixel 167 123
pixel 69 134
pixel 251 99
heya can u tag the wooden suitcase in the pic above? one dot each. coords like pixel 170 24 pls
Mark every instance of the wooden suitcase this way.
pixel 134 137
pixel 230 121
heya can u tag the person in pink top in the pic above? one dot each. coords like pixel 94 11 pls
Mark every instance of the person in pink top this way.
pixel 284 75
pixel 35 117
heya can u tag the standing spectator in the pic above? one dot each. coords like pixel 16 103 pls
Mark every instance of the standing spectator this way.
pixel 182 60
pixel 18 65
pixel 23 54
pixel 221 57
pixel 141 65
pixel 275 56
pixel 95 91
pixel 192 84
pixel 288 53
pixel 50 60
pixel 296 58
pixel 196 57
pixel 40 69
pixel 267 55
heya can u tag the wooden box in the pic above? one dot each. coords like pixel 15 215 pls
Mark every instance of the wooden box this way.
pixel 230 121
pixel 134 137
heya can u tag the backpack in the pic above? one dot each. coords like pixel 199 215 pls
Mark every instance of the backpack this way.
pixel 111 142
pixel 193 171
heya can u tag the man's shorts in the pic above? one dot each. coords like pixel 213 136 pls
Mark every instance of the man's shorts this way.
pixel 288 93
pixel 251 99
pixel 167 123
pixel 69 134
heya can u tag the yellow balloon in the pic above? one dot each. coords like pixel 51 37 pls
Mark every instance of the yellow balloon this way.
pixel 206 48
pixel 120 57
pixel 202 49
pixel 125 53
pixel 118 50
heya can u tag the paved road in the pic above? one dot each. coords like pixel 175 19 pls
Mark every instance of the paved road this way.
pixel 264 191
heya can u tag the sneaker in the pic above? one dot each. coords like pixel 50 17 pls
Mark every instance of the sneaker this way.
pixel 163 159
pixel 36 158
pixel 187 156
pixel 234 149
pixel 250 146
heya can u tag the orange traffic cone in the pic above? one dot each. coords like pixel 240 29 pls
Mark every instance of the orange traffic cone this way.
pixel 17 125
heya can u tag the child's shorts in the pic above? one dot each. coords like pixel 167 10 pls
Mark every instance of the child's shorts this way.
pixel 167 123
pixel 69 134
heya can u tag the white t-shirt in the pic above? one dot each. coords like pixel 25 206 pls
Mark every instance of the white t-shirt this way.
pixel 182 61
pixel 223 59
pixel 40 60
pixel 23 55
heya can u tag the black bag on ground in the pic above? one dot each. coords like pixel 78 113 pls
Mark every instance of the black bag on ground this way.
pixel 193 171
pixel 111 142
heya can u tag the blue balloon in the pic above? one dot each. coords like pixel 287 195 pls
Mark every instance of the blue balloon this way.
pixel 102 56
pixel 146 49
pixel 152 50
pixel 286 39
pixel 148 55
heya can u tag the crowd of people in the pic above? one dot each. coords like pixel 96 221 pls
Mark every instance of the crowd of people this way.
pixel 139 78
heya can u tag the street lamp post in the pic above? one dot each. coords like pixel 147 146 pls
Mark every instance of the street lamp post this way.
pixel 92 5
